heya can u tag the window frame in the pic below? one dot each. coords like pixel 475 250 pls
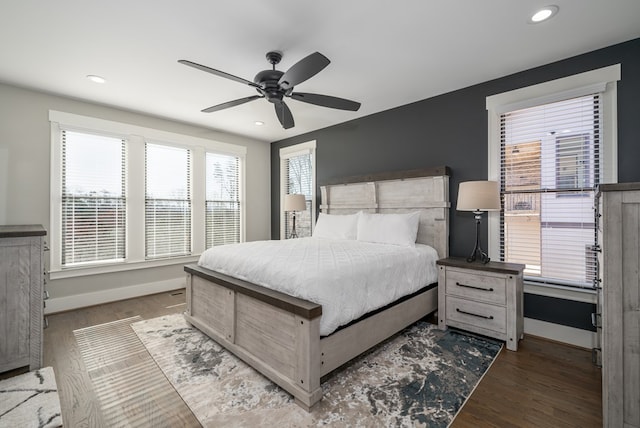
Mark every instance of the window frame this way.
pixel 603 81
pixel 308 147
pixel 123 163
pixel 135 138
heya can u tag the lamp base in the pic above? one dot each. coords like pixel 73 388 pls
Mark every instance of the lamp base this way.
pixel 477 253
pixel 294 234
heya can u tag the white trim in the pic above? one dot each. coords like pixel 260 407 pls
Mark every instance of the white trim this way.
pixel 119 267
pixel 61 304
pixel 603 78
pixel 286 153
pixel 136 193
pixel 298 149
pixel 521 104
pixel 554 90
pixel 135 137
pixel 559 292
pixel 560 333
pixel 198 197
pixel 77 122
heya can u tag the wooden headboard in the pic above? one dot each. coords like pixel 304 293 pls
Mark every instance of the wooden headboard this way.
pixel 424 190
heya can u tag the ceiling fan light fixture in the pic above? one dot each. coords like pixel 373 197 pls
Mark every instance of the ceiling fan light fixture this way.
pixel 544 14
pixel 96 79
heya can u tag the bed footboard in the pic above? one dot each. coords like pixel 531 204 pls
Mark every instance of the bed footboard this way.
pixel 278 335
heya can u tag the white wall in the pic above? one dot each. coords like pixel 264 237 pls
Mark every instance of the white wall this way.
pixel 25 140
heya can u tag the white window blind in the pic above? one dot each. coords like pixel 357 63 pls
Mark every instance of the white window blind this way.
pixel 93 198
pixel 167 201
pixel 550 167
pixel 298 176
pixel 222 199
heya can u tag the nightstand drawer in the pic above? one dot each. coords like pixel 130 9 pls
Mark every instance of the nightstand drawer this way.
pixel 476 286
pixel 481 315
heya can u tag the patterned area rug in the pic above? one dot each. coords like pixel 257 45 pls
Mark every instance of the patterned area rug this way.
pixel 421 377
pixel 30 400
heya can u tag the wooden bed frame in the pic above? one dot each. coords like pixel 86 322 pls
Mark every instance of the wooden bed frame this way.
pixel 279 335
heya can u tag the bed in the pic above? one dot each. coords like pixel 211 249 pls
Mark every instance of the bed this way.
pixel 279 334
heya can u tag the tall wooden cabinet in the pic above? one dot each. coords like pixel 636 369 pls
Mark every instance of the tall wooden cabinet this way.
pixel 619 301
pixel 21 296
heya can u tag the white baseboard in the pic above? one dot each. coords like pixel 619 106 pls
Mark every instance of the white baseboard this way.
pixel 76 301
pixel 560 333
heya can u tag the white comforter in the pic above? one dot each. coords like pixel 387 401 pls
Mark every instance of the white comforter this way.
pixel 348 278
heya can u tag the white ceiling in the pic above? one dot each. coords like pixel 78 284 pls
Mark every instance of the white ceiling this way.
pixel 383 54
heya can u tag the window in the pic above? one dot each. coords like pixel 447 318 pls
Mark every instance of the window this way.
pixel 125 197
pixel 549 153
pixel 550 167
pixel 167 201
pixel 297 176
pixel 222 200
pixel 93 206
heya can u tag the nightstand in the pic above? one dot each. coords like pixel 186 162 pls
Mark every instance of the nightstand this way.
pixel 481 298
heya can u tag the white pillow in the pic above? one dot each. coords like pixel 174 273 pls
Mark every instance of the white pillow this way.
pixel 336 226
pixel 394 229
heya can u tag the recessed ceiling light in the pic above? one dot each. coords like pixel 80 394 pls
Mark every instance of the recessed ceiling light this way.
pixel 259 123
pixel 96 79
pixel 543 14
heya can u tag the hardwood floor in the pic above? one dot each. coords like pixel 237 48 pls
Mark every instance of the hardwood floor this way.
pixel 544 384
pixel 78 400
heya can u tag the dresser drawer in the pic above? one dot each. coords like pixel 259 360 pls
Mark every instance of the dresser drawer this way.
pixel 481 287
pixel 480 315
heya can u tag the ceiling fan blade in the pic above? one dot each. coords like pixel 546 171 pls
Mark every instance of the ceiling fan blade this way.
pixel 326 101
pixel 302 70
pixel 231 104
pixel 284 115
pixel 218 72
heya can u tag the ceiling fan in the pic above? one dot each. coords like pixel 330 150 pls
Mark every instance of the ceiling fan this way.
pixel 275 85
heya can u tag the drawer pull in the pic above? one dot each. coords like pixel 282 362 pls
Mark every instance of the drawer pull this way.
pixel 490 317
pixel 474 287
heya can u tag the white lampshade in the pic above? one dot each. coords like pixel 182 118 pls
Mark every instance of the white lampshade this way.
pixel 478 196
pixel 293 202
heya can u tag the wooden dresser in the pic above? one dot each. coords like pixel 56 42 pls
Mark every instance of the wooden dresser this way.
pixel 21 296
pixel 619 303
pixel 482 298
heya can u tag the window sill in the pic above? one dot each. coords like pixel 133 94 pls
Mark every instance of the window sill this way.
pixel 561 292
pixel 119 267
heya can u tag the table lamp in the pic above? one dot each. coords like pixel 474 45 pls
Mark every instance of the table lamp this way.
pixel 478 196
pixel 294 202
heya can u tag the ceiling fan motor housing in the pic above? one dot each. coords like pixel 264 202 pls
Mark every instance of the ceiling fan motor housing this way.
pixel 269 87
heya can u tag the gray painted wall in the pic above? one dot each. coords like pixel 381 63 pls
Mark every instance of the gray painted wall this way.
pixel 451 129
pixel 25 149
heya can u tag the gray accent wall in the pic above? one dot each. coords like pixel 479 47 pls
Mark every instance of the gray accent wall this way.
pixel 451 129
